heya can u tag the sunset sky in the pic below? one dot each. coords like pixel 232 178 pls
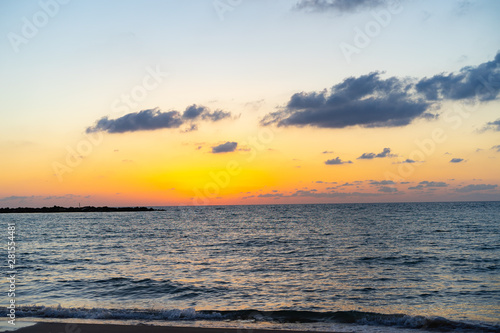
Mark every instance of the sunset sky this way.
pixel 208 102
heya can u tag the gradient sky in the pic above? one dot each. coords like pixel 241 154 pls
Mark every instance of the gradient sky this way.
pixel 248 102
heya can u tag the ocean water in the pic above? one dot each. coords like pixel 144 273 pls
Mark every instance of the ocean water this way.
pixel 348 267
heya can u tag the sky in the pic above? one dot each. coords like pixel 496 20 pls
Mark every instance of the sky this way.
pixel 223 102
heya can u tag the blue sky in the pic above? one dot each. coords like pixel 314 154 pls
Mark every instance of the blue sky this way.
pixel 245 57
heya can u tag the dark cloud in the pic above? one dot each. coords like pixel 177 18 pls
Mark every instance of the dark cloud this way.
pixel 456 160
pixel 367 156
pixel 408 160
pixel 370 101
pixel 428 184
pixel 366 101
pixel 336 161
pixel 385 153
pixel 433 184
pixel 15 197
pixel 476 187
pixel 225 148
pixel 388 189
pixel 314 194
pixel 193 111
pixel 339 5
pixel 383 182
pixel 153 119
pixel 39 197
pixel 144 120
pixel 192 128
pixel 482 82
pixel 497 147
pixel 270 195
pixel 216 115
pixel 303 193
pixel 493 126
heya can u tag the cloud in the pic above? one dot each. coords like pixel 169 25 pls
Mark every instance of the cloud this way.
pixel 216 115
pixel 311 193
pixel 225 148
pixel 482 82
pixel 385 153
pixel 388 189
pixel 270 195
pixel 408 160
pixel 336 161
pixel 433 184
pixel 476 187
pixel 383 182
pixel 153 119
pixel 39 197
pixel 497 147
pixel 303 193
pixel 327 152
pixel 366 101
pixel 339 5
pixel 193 111
pixel 15 197
pixel 456 160
pixel 428 184
pixel 371 101
pixel 493 126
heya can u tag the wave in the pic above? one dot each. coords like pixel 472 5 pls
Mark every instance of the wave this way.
pixel 282 316
pixel 124 288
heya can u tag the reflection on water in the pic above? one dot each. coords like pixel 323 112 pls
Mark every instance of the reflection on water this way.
pixel 439 259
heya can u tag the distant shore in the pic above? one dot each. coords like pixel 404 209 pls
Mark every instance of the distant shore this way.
pixel 86 209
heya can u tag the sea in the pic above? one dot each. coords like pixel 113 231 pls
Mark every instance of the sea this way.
pixel 386 267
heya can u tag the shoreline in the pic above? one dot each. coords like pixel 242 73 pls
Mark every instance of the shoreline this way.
pixel 44 327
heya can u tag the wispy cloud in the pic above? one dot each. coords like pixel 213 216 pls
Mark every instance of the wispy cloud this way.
pixel 31 198
pixel 17 198
pixel 387 189
pixel 339 5
pixel 476 187
pixel 382 182
pixel 408 160
pixel 433 184
pixel 492 126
